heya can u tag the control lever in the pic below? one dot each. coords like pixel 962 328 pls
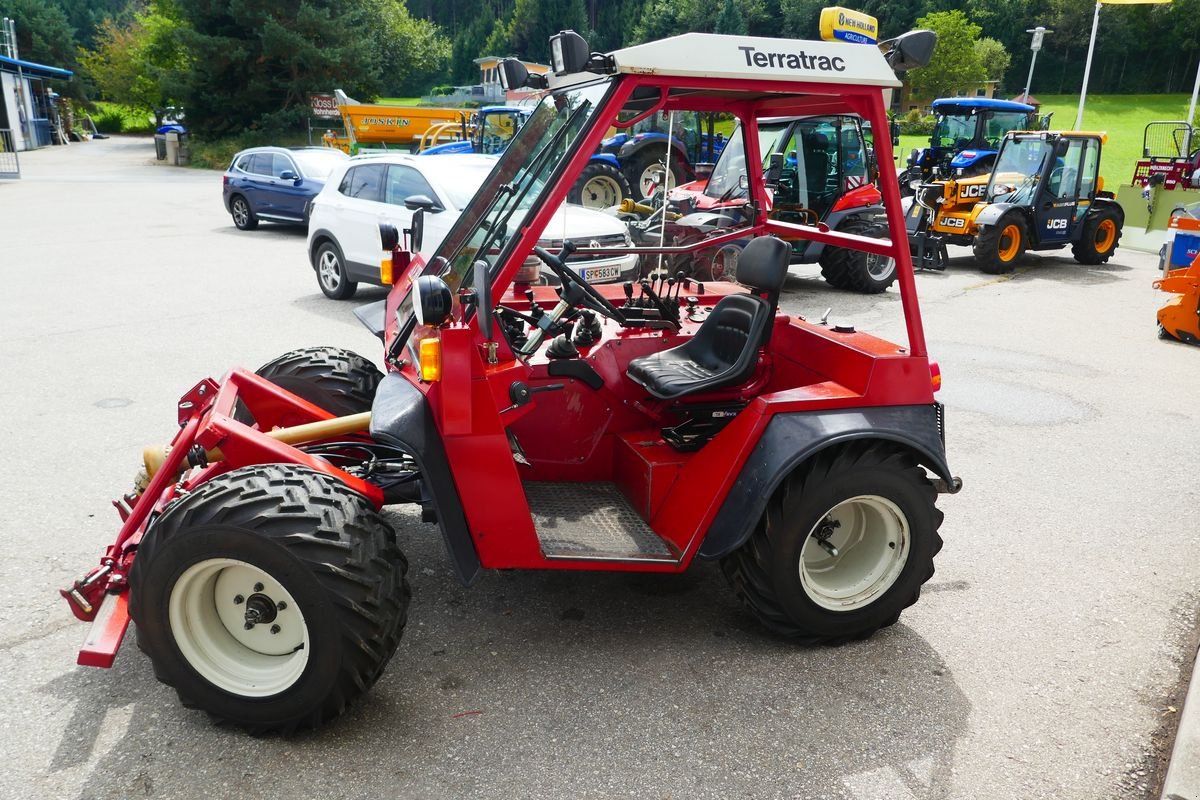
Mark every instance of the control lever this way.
pixel 628 287
pixel 653 295
pixel 679 279
pixel 535 310
pixel 520 392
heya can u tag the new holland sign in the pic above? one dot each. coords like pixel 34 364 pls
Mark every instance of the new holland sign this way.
pixel 842 24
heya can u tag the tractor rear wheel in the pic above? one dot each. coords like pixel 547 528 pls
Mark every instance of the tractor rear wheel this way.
pixel 600 185
pixel 340 381
pixel 845 545
pixel 1099 238
pixel 644 171
pixel 855 270
pixel 999 247
pixel 270 597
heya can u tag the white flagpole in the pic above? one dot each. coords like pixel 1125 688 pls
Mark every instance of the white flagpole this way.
pixel 1087 70
pixel 1192 110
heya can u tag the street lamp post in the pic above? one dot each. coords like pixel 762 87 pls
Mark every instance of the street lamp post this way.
pixel 1038 33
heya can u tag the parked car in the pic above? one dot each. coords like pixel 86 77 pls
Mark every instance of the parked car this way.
pixel 343 236
pixel 276 184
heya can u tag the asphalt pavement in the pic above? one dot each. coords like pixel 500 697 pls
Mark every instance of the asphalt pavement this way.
pixel 1046 658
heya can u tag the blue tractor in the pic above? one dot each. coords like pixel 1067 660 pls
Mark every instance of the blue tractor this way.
pixel 965 138
pixel 601 184
pixel 642 150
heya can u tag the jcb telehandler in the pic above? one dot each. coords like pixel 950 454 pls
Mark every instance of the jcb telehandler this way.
pixel 636 428
pixel 1045 193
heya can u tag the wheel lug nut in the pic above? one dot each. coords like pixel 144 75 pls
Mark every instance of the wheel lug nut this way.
pixel 249 626
pixel 258 587
pixel 238 600
pixel 281 606
pixel 275 629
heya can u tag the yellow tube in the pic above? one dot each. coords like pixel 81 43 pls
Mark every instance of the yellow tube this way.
pixel 154 455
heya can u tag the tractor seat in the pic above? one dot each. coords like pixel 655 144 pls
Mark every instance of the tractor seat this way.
pixel 725 349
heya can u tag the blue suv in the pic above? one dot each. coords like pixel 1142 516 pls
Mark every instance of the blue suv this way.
pixel 276 184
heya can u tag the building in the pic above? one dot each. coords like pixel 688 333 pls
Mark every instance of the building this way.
pixel 26 103
pixel 912 102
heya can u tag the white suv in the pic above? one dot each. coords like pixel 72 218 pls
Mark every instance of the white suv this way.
pixel 343 230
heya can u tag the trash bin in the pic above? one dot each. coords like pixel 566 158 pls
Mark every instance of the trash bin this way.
pixel 172 146
pixel 184 155
pixel 160 146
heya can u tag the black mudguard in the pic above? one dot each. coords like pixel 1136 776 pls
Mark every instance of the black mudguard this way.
pixel 814 249
pixel 373 316
pixel 790 439
pixel 400 416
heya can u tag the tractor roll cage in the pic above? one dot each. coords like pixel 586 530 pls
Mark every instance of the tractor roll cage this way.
pixel 748 100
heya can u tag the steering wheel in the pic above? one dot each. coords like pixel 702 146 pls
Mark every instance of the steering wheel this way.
pixel 569 278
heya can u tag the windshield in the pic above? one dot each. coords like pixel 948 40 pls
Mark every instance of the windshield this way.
pixel 954 131
pixel 1018 168
pixel 318 163
pixel 726 182
pixel 1000 123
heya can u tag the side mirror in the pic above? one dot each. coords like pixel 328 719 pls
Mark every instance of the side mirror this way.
pixel 911 50
pixel 432 301
pixel 774 170
pixel 416 231
pixel 420 201
pixel 482 280
pixel 287 175
pixel 514 75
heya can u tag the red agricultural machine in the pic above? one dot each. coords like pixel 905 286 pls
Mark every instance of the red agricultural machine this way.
pixel 573 428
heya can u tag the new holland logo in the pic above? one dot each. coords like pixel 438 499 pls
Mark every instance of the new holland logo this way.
pixel 801 60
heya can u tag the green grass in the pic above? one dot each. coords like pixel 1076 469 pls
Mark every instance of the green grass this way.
pixel 399 101
pixel 218 153
pixel 1122 116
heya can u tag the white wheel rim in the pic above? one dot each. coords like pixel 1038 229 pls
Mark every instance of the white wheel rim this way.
pixel 600 192
pixel 208 611
pixel 871 537
pixel 648 182
pixel 725 263
pixel 330 271
pixel 880 267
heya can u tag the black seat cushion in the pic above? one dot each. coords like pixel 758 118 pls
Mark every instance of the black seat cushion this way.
pixel 720 354
pixel 725 349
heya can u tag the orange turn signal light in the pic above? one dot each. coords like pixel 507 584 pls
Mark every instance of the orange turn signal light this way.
pixel 385 272
pixel 430 353
pixel 935 375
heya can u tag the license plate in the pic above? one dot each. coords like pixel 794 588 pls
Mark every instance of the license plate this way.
pixel 598 274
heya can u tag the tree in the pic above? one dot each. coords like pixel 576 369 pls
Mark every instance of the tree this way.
pixel 730 20
pixel 955 66
pixel 44 34
pixel 994 58
pixel 139 63
pixel 535 21
pixel 412 51
pixel 254 61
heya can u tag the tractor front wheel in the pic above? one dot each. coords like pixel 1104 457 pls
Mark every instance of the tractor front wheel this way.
pixel 845 545
pixel 865 273
pixel 999 247
pixel 600 185
pixel 270 597
pixel 1099 238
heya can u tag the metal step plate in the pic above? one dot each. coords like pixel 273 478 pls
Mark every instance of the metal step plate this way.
pixel 592 521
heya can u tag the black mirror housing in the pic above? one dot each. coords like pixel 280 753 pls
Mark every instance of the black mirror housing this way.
pixel 569 53
pixel 420 201
pixel 911 50
pixel 416 231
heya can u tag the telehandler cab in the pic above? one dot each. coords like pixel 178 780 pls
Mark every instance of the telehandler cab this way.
pixel 1045 193
pixel 577 428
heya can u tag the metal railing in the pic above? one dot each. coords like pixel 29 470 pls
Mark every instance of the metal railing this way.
pixel 9 166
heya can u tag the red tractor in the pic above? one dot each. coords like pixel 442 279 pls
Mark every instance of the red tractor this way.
pixel 566 428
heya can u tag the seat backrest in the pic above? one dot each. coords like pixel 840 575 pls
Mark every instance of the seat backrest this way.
pixel 730 336
pixel 763 264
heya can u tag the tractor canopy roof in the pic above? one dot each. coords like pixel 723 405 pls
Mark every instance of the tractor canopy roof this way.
pixel 753 58
pixel 968 105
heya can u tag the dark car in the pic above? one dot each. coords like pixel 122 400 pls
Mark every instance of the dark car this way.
pixel 276 184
